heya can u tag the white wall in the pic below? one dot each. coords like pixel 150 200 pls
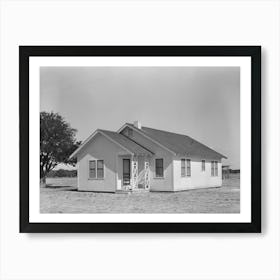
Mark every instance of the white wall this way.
pixel 165 183
pixel 102 148
pixel 99 148
pixel 198 178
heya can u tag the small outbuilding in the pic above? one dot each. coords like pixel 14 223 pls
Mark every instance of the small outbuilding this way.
pixel 143 158
pixel 225 171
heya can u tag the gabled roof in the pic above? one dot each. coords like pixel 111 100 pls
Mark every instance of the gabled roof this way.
pixel 124 142
pixel 130 145
pixel 178 143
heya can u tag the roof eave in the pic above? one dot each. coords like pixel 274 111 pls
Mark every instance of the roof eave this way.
pixel 186 155
pixel 75 153
pixel 143 154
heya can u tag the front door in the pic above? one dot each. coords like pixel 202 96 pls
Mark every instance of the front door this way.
pixel 126 171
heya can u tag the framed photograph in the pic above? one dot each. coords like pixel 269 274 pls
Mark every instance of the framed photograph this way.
pixel 140 139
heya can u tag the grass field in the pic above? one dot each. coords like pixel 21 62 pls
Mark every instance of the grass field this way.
pixel 61 196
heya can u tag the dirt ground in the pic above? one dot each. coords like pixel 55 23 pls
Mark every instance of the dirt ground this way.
pixel 61 196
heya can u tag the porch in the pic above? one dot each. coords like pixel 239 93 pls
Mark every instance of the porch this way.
pixel 133 173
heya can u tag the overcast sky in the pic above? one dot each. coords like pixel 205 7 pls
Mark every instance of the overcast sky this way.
pixel 201 102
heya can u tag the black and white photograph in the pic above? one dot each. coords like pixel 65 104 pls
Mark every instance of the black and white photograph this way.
pixel 140 139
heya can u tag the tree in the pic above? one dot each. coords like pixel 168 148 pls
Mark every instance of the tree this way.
pixel 57 142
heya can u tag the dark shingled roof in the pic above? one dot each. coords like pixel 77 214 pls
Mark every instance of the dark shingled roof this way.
pixel 179 144
pixel 126 142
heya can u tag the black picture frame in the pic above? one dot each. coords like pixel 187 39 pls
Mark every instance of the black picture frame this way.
pixel 25 52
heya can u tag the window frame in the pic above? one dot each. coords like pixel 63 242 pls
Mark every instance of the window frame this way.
pixel 203 165
pixel 103 169
pixel 89 169
pixel 159 177
pixel 96 168
pixel 214 168
pixel 183 174
pixel 189 167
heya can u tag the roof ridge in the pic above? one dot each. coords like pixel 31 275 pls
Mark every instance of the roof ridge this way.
pixel 147 135
pixel 168 132
pixel 136 143
pixel 127 138
pixel 165 131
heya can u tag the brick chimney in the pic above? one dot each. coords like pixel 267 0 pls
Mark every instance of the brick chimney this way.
pixel 137 124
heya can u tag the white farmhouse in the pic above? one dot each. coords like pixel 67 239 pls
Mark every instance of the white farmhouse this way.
pixel 137 157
